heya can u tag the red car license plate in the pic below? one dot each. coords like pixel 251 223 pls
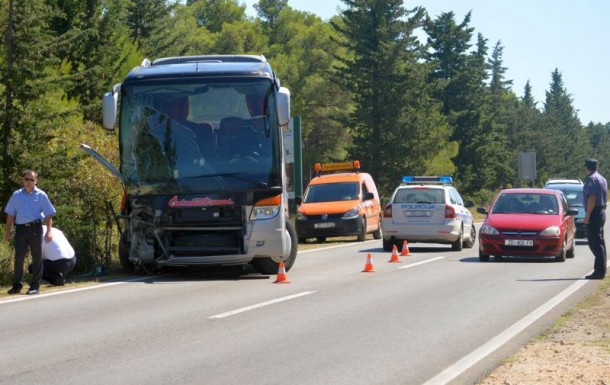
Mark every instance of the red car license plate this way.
pixel 519 242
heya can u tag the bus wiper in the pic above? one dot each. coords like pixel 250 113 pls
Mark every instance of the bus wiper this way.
pixel 235 175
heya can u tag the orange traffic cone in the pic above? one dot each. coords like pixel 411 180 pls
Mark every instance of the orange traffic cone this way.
pixel 368 267
pixel 405 248
pixel 395 257
pixel 281 274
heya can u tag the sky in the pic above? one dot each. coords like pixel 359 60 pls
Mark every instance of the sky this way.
pixel 538 37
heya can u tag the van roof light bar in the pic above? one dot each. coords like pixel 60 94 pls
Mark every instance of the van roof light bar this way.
pixel 343 166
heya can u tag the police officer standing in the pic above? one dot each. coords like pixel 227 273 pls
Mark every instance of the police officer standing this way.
pixel 595 193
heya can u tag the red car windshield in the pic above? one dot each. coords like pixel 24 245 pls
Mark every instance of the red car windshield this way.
pixel 526 203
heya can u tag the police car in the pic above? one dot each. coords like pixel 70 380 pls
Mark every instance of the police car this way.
pixel 427 209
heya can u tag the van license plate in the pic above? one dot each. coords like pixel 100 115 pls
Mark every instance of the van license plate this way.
pixel 324 225
pixel 519 242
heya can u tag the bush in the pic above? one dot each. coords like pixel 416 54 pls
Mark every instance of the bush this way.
pixel 6 264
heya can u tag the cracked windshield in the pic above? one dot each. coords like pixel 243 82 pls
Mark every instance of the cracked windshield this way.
pixel 176 135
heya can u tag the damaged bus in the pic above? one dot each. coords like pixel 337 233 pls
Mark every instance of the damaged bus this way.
pixel 202 163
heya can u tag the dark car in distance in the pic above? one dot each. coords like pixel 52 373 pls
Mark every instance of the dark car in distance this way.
pixel 573 193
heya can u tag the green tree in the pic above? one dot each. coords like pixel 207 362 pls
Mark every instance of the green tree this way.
pixel 563 130
pixel 497 149
pixel 498 84
pixel 393 112
pixel 183 36
pixel 599 136
pixel 242 37
pixel 461 75
pixel 523 130
pixel 151 24
pixel 99 53
pixel 304 61
pixel 27 51
pixel 212 14
pixel 269 12
pixel 528 99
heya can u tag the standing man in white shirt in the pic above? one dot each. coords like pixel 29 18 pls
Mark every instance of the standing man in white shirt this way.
pixel 58 258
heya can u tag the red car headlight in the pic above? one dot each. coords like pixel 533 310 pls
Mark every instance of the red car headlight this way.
pixel 552 231
pixel 489 230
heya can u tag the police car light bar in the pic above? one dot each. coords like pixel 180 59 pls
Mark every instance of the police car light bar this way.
pixel 427 179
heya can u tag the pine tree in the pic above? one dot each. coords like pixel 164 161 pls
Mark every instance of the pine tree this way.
pixel 212 14
pixel 461 76
pixel 151 25
pixel 498 84
pixel 98 51
pixel 28 50
pixel 394 118
pixel 566 142
pixel 528 98
pixel 269 12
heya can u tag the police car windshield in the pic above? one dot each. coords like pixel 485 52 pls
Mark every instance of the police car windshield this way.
pixel 414 195
pixel 332 192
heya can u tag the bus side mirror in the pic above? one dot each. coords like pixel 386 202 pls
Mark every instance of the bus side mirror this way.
pixel 109 104
pixel 283 106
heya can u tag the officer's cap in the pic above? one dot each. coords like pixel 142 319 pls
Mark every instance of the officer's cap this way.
pixel 591 164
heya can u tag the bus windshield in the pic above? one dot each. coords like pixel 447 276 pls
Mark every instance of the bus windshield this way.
pixel 199 135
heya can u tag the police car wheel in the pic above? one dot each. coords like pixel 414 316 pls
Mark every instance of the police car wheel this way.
pixel 473 236
pixel 387 245
pixel 459 243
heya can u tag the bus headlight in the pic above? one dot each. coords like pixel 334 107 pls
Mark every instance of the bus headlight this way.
pixel 264 212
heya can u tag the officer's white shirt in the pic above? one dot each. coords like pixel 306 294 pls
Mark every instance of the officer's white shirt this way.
pixel 58 248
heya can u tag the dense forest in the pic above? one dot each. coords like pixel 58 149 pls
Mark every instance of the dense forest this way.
pixel 366 85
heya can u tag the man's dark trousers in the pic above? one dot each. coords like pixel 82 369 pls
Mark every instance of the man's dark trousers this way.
pixel 595 236
pixel 28 237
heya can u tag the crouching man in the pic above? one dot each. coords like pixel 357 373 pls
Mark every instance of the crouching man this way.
pixel 58 258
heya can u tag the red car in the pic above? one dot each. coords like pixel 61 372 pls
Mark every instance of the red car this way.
pixel 528 222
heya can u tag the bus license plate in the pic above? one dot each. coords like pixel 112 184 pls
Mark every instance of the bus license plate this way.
pixel 324 225
pixel 519 242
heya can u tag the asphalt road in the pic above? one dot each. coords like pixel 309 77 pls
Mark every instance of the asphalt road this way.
pixel 438 317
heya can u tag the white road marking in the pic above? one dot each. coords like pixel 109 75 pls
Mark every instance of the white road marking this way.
pixel 31 297
pixel 421 263
pixel 259 305
pixel 449 374
pixel 334 247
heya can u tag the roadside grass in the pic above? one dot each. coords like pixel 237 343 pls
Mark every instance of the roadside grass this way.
pixel 597 302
